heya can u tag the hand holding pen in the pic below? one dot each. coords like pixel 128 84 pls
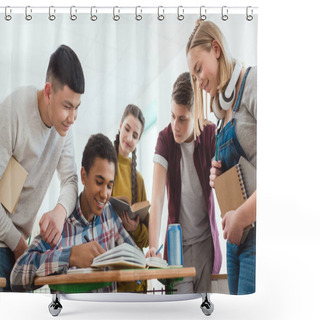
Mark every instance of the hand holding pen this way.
pixel 82 255
pixel 159 250
pixel 153 253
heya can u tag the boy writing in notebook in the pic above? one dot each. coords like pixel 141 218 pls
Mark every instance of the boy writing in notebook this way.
pixel 93 219
pixel 36 131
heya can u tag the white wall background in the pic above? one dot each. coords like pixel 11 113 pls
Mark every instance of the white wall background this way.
pixel 288 211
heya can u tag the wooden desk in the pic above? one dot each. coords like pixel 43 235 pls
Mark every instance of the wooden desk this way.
pixel 3 282
pixel 116 276
pixel 219 276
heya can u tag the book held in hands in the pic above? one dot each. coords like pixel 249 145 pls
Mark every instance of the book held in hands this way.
pixel 11 184
pixel 234 187
pixel 122 203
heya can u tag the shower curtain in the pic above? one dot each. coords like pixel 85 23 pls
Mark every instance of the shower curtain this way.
pixel 128 56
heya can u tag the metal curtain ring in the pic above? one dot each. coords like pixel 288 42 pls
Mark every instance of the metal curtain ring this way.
pixel 249 17
pixel 93 17
pixel 180 15
pixel 28 16
pixel 51 15
pixel 116 17
pixel 73 16
pixel 224 13
pixel 203 15
pixel 160 16
pixel 138 16
pixel 7 16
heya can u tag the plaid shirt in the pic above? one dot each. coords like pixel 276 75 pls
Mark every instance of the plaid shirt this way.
pixel 42 260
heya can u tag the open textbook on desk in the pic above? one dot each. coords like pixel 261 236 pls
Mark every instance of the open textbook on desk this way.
pixel 124 256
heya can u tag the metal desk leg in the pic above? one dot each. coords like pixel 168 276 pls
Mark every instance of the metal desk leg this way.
pixel 55 306
pixel 206 306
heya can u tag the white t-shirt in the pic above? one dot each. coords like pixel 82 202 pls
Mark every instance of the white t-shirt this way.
pixel 193 216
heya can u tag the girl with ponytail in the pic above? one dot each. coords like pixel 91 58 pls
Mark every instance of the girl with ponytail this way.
pixel 129 182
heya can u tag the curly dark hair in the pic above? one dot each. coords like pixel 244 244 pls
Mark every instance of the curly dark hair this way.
pixel 100 146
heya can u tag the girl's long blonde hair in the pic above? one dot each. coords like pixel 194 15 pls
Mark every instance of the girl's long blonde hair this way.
pixel 204 33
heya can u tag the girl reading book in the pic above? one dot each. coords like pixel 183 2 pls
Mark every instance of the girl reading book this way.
pixel 233 99
pixel 129 182
pixel 183 165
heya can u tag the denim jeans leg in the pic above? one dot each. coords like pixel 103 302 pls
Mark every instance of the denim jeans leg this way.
pixel 247 256
pixel 233 268
pixel 6 265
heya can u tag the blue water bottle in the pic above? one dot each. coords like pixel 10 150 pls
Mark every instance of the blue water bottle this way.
pixel 174 240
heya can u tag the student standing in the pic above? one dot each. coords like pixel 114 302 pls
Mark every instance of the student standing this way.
pixel 216 72
pixel 183 165
pixel 92 218
pixel 129 182
pixel 36 131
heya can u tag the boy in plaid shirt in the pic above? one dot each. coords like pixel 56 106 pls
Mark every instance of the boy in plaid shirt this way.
pixel 92 217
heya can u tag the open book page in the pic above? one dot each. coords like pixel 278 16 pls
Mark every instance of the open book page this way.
pixel 122 256
pixel 156 262
pixel 120 204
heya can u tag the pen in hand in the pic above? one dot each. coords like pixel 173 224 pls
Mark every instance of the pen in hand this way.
pixel 159 249
pixel 86 238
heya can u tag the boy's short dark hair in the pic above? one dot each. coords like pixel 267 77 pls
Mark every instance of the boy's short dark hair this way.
pixel 182 92
pixel 100 146
pixel 65 69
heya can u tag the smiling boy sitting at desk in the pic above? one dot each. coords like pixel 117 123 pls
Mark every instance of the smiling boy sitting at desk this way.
pixel 92 218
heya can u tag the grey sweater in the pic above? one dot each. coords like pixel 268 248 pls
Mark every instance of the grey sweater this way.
pixel 246 127
pixel 40 150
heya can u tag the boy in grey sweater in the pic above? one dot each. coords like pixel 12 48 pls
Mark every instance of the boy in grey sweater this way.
pixel 35 127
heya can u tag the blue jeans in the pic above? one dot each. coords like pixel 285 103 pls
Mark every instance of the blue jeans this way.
pixel 6 264
pixel 241 265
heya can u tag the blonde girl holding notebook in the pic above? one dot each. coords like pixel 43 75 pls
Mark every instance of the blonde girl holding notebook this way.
pixel 129 182
pixel 233 99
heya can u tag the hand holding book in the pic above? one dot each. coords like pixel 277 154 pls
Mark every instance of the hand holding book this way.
pixel 237 223
pixel 130 225
pixel 233 190
pixel 122 204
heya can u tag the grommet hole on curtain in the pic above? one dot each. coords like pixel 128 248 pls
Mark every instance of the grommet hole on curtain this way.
pixel 73 16
pixel 160 16
pixel 52 10
pixel 180 12
pixel 138 16
pixel 28 10
pixel 138 12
